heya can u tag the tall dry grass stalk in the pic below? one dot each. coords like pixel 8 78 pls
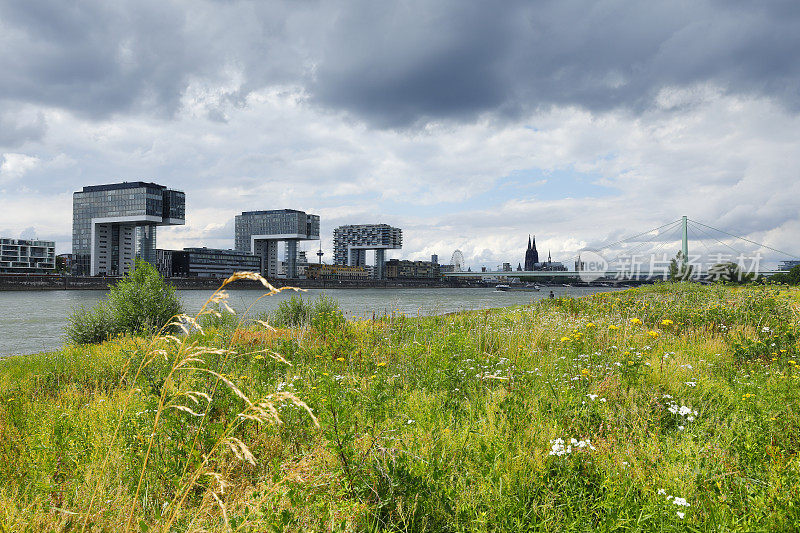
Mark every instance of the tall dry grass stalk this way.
pixel 189 356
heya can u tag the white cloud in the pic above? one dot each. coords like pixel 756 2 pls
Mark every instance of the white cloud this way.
pixel 14 166
pixel 726 160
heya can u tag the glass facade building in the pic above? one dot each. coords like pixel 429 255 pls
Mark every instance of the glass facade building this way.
pixel 205 263
pixel 116 223
pixel 350 244
pixel 24 256
pixel 259 232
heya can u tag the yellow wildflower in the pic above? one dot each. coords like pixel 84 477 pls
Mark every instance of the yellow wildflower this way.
pixel 653 334
pixel 590 325
pixel 565 339
pixel 340 359
pixel 666 322
pixel 612 327
pixel 382 363
pixel 635 321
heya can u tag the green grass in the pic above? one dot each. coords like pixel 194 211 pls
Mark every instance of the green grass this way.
pixel 424 424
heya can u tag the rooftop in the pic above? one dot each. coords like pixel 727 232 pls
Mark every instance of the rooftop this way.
pixel 272 211
pixel 124 185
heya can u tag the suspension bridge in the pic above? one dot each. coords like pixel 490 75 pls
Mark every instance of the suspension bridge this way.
pixel 649 255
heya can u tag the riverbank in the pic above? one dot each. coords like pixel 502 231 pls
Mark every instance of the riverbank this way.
pixel 35 320
pixel 45 282
pixel 682 402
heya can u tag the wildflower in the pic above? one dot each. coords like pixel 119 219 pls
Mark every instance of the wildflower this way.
pixel 612 327
pixel 592 397
pixel 691 384
pixel 565 339
pixel 382 363
pixel 635 321
pixel 680 501
pixel 341 359
pixel 653 334
pixel 325 374
pixel 662 492
pixel 585 372
pixel 792 362
pixel 590 325
pixel 680 514
pixel 558 447
pixel 666 322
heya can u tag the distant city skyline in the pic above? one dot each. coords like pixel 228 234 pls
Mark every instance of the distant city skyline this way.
pixel 467 126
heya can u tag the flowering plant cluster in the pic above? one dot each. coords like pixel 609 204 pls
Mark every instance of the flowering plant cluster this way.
pixel 675 500
pixel 559 447
pixel 684 413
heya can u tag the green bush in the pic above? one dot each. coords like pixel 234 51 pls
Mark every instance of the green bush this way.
pixel 141 303
pixel 321 313
pixel 792 277
pixel 293 312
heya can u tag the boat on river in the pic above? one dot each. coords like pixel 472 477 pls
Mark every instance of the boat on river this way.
pixel 528 287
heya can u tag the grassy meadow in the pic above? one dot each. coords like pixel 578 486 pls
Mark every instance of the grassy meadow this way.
pixel 672 407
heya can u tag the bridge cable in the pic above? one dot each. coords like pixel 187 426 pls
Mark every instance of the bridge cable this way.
pixel 747 240
pixel 702 240
pixel 719 241
pixel 639 235
pixel 643 243
pixel 667 240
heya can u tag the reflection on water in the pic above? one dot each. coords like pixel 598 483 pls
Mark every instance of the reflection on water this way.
pixel 33 321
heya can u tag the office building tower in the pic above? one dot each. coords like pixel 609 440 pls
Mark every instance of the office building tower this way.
pixel 259 232
pixel 25 256
pixel 350 244
pixel 114 224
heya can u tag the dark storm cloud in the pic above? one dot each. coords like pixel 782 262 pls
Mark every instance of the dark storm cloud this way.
pixel 395 64
pixel 95 57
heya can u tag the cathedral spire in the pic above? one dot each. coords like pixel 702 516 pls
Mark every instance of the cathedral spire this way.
pixel 529 241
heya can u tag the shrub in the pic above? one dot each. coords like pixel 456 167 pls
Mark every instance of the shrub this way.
pixel 142 302
pixel 792 277
pixel 293 312
pixel 322 313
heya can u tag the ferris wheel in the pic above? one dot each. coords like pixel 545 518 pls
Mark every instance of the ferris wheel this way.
pixel 457 260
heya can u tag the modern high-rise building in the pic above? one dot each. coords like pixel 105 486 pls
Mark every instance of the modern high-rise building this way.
pixel 350 244
pixel 24 256
pixel 259 232
pixel 114 224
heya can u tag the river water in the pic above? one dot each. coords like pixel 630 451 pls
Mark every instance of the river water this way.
pixel 33 321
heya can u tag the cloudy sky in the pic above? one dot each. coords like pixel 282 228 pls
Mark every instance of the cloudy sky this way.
pixel 468 124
